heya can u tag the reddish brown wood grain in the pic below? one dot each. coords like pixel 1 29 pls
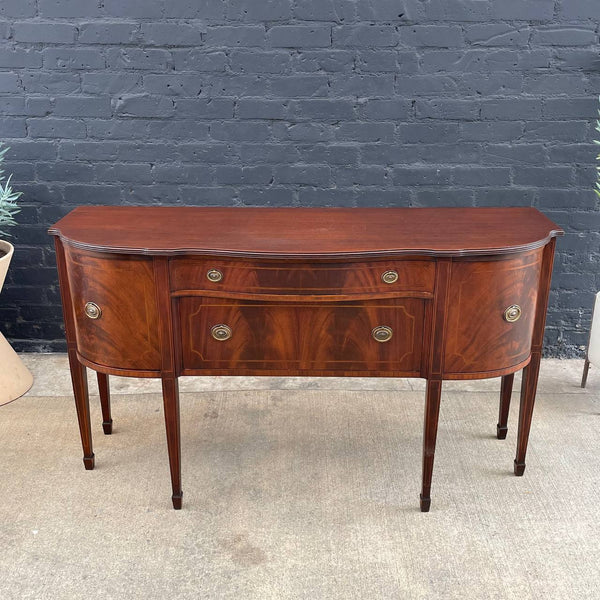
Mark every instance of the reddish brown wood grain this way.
pixel 302 290
pixel 302 279
pixel 434 369
pixel 305 232
pixel 169 374
pixel 126 334
pixel 104 391
pixel 531 372
pixel 310 337
pixel 478 338
pixel 78 371
pixel 430 427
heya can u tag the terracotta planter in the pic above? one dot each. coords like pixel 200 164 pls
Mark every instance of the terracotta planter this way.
pixel 15 378
pixel 6 252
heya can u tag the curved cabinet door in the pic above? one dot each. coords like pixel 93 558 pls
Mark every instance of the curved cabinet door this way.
pixel 480 338
pixel 119 327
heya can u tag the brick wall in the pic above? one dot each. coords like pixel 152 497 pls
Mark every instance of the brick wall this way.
pixel 299 102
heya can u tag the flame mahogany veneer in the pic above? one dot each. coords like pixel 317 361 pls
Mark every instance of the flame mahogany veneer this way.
pixel 397 292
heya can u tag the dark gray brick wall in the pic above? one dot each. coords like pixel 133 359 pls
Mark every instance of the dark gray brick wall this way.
pixel 300 102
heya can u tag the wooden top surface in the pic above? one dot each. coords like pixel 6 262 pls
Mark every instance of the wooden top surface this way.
pixel 305 232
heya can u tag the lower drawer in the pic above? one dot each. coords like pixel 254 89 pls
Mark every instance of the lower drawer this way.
pixel 223 334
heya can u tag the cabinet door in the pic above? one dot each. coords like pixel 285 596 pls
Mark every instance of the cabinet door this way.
pixel 124 333
pixel 479 336
pixel 301 338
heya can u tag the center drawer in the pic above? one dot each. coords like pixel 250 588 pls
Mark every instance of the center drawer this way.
pixel 219 275
pixel 256 337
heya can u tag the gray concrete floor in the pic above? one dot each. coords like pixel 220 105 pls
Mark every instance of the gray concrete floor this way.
pixel 300 488
pixel 52 379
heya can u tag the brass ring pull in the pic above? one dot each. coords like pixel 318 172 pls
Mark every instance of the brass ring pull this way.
pixel 512 313
pixel 382 333
pixel 389 277
pixel 92 310
pixel 221 332
pixel 214 275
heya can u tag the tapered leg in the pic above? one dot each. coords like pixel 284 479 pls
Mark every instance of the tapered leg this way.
pixel 432 413
pixel 505 392
pixel 82 405
pixel 528 390
pixel 586 368
pixel 104 389
pixel 170 389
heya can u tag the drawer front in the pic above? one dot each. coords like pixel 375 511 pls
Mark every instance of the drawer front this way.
pixel 482 333
pixel 221 275
pixel 271 336
pixel 115 311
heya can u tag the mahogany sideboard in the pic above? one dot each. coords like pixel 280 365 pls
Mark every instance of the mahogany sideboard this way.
pixel 452 293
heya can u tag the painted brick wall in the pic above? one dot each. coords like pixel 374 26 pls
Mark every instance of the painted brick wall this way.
pixel 299 102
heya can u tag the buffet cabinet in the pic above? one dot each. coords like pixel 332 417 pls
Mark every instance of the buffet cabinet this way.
pixel 456 293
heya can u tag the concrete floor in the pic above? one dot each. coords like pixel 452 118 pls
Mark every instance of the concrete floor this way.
pixel 300 488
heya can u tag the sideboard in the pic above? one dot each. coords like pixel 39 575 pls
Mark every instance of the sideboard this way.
pixel 452 293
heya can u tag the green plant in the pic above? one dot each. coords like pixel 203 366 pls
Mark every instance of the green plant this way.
pixel 8 199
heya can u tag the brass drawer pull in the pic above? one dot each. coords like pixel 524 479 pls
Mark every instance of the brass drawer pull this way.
pixel 382 333
pixel 214 275
pixel 92 310
pixel 221 332
pixel 389 277
pixel 512 313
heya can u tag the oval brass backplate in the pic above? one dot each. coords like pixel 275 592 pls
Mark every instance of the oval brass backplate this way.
pixel 512 313
pixel 214 275
pixel 389 277
pixel 221 332
pixel 382 333
pixel 92 310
